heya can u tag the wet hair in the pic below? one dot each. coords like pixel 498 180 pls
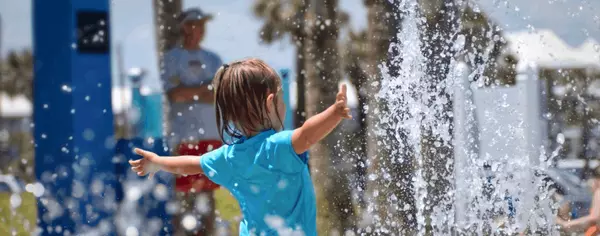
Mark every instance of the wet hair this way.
pixel 241 91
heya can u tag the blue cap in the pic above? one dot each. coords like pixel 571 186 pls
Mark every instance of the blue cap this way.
pixel 193 14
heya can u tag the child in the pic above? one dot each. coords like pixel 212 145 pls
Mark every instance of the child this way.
pixel 590 223
pixel 264 168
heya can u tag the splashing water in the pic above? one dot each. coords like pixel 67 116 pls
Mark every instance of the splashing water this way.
pixel 487 191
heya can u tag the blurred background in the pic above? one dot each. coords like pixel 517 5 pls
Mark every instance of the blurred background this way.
pixel 345 41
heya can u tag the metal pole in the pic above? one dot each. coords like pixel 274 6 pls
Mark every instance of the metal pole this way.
pixel 121 75
pixel 1 34
pixel 1 37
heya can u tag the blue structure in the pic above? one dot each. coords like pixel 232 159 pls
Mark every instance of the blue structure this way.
pixel 149 106
pixel 150 110
pixel 76 158
pixel 288 123
pixel 73 115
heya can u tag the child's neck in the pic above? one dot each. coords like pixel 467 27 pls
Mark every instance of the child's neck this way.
pixel 250 134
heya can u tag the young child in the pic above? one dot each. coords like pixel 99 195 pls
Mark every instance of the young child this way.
pixel 263 167
pixel 590 223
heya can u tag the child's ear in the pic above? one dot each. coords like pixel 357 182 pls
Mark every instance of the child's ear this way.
pixel 269 101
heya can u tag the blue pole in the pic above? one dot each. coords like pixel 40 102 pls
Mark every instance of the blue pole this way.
pixel 73 117
pixel 152 114
pixel 288 123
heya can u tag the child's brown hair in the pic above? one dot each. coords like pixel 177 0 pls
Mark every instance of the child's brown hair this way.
pixel 241 91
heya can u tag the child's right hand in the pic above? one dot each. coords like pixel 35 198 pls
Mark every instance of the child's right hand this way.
pixel 145 165
pixel 341 103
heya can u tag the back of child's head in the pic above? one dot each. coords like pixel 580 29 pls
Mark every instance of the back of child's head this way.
pixel 241 91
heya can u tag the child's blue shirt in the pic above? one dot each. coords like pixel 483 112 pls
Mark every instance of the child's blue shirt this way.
pixel 270 181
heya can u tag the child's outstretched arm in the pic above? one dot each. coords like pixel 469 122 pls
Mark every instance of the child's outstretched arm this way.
pixel 320 125
pixel 152 163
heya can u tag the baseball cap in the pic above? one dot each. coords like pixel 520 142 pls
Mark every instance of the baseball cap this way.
pixel 193 14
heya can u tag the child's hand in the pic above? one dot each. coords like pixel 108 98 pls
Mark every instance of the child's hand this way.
pixel 145 165
pixel 341 104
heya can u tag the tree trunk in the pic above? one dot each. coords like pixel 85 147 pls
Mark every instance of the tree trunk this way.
pixel 335 211
pixel 382 154
pixel 300 39
pixel 437 151
pixel 167 36
pixel 300 115
pixel 165 19
pixel 357 142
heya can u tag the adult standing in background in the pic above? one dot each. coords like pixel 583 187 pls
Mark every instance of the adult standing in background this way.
pixel 187 76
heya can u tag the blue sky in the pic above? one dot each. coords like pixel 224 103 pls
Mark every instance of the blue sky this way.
pixel 234 32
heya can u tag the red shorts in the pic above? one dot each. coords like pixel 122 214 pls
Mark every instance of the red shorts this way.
pixel 200 183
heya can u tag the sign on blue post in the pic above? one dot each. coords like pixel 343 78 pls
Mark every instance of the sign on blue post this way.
pixel 73 117
pixel 288 123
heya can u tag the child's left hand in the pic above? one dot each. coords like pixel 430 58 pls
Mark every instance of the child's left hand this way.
pixel 341 103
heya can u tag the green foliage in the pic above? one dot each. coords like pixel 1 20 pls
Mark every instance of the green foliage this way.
pixel 16 73
pixel 22 220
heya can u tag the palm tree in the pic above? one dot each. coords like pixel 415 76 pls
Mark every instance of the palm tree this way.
pixel 484 51
pixel 281 18
pixel 16 78
pixel 17 74
pixel 354 60
pixel 371 50
pixel 165 17
pixel 167 33
pixel 335 212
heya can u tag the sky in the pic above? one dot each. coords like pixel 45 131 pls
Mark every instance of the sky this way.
pixel 234 32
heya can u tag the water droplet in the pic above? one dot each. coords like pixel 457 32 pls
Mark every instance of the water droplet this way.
pixel 44 136
pixel 161 192
pixel 36 188
pixel 560 138
pixel 87 98
pixel 255 189
pixel 282 184
pixel 189 222
pixel 15 200
pixel 66 88
pixel 131 231
pixel 133 193
pixel 372 177
pixel 45 106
